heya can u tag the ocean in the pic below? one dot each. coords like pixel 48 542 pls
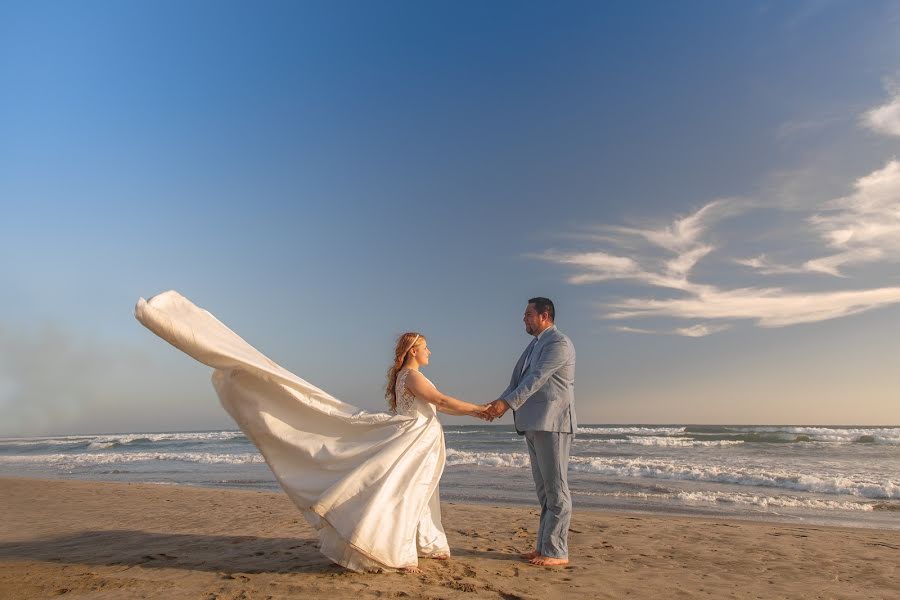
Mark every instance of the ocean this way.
pixel 805 474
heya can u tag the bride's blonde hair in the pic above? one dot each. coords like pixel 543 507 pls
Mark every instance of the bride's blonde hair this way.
pixel 405 343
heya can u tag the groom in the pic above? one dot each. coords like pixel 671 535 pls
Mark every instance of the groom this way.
pixel 542 396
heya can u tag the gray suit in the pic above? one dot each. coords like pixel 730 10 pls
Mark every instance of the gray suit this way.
pixel 542 396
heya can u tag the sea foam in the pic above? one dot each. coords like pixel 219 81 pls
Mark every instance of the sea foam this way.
pixel 86 459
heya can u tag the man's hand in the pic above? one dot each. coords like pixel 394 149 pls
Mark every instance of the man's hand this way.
pixel 497 408
pixel 484 413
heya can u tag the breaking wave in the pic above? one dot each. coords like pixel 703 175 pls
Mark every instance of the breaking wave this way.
pixel 674 470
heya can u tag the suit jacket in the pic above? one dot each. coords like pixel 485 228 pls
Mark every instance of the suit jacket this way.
pixel 543 397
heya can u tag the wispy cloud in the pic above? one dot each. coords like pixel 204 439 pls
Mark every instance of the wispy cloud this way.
pixel 864 226
pixel 681 243
pixel 599 266
pixel 701 330
pixel 683 234
pixel 698 330
pixel 885 118
pixel 764 266
pixel 769 307
pixel 798 127
pixel 861 228
pixel 627 329
pixel 852 231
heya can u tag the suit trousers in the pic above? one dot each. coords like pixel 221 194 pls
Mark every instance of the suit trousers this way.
pixel 549 454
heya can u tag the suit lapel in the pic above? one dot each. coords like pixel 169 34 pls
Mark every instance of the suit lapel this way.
pixel 535 354
pixel 520 363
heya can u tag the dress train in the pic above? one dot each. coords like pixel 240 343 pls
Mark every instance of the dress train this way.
pixel 368 482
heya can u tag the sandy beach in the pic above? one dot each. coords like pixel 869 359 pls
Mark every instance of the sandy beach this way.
pixel 82 539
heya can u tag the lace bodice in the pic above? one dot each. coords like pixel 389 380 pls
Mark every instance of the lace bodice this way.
pixel 407 403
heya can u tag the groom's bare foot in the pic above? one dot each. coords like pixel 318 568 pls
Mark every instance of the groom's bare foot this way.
pixel 439 556
pixel 411 570
pixel 530 555
pixel 548 561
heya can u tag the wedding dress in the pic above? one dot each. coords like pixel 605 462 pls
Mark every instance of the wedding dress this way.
pixel 367 482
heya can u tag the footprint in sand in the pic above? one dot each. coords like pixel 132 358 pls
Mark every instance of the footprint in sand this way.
pixel 460 586
pixel 470 533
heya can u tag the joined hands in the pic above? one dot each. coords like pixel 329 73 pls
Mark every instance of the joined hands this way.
pixel 492 410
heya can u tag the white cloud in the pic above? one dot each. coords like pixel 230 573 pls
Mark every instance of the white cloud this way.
pixel 864 226
pixel 769 307
pixel 764 266
pixel 627 329
pixel 698 330
pixel 597 267
pixel 601 265
pixel 885 118
pixel 682 264
pixel 829 264
pixel 683 234
pixel 858 229
pixel 681 238
pixel 701 330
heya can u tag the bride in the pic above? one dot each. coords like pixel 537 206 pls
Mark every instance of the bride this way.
pixel 410 393
pixel 367 482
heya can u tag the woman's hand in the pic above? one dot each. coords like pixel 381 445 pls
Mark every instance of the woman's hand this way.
pixel 482 412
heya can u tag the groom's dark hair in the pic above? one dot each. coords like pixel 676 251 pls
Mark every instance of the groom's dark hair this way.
pixel 544 305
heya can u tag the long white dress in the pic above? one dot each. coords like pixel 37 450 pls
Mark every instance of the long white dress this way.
pixel 368 482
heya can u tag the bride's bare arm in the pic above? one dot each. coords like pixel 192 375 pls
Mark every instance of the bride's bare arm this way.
pixel 449 405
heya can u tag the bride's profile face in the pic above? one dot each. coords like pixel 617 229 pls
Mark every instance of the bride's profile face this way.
pixel 421 352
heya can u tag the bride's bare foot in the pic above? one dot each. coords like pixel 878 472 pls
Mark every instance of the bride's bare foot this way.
pixel 530 555
pixel 548 561
pixel 439 556
pixel 411 570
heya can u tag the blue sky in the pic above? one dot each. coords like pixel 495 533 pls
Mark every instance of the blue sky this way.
pixel 709 191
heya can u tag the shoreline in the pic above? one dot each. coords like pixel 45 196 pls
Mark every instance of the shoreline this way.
pixel 720 472
pixel 123 540
pixel 700 512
